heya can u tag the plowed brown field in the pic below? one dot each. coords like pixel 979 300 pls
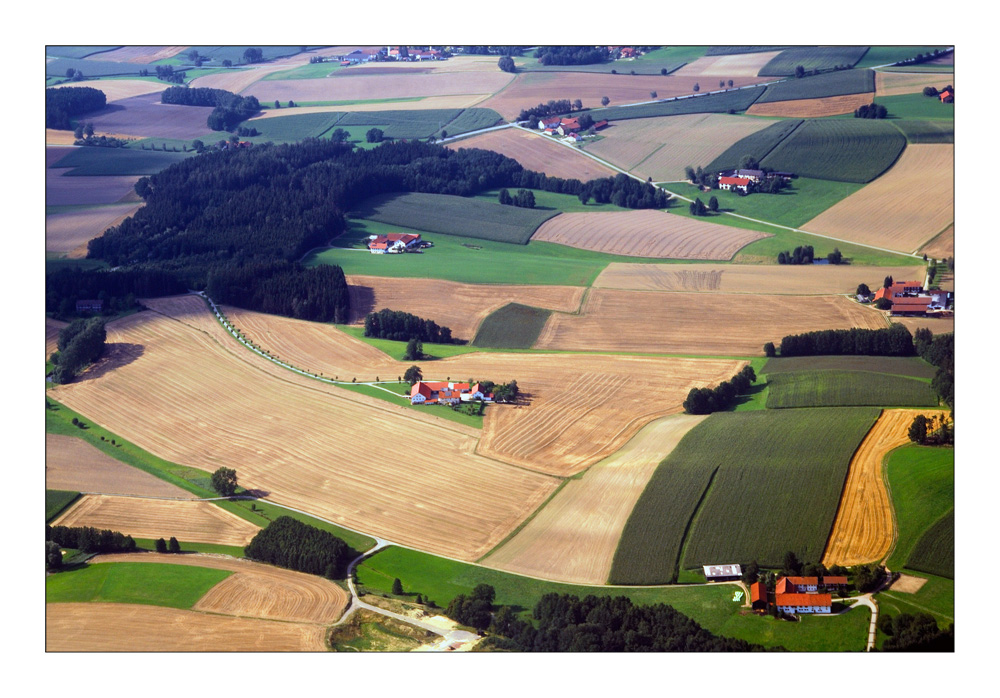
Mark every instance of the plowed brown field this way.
pixel 887 84
pixel 458 306
pixel 256 590
pixel 807 280
pixel 531 89
pixel 942 245
pixel 115 627
pixel 574 537
pixel 813 108
pixel 737 65
pixel 902 209
pixel 389 470
pixel 71 231
pixel 52 330
pixel 661 148
pixel 73 464
pixel 195 522
pixel 61 190
pixel 646 233
pixel 538 153
pixel 698 323
pixel 348 85
pixel 864 530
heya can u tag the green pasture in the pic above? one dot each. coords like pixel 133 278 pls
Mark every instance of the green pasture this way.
pixel 936 596
pixel 56 501
pixel 306 72
pixel 840 82
pixel 514 326
pixel 911 366
pixel 847 388
pixel 922 484
pixel 881 55
pixel 736 100
pixel 148 583
pixel 188 547
pixel 397 350
pixel 934 552
pixel 813 58
pixel 917 106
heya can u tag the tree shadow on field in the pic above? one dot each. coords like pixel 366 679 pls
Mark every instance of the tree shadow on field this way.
pixel 749 395
pixel 362 301
pixel 116 355
pixel 254 494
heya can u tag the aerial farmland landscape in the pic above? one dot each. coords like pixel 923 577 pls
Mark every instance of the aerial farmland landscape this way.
pixel 500 349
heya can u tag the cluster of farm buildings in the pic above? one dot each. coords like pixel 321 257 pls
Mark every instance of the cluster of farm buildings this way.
pixel 391 53
pixel 910 298
pixel 569 128
pixel 741 179
pixel 396 243
pixel 445 393
pixel 794 595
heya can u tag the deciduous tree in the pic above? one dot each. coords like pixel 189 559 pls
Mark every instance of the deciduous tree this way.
pixel 413 374
pixel 224 481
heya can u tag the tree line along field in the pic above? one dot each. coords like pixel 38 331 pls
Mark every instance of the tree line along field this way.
pixel 455 215
pixel 813 58
pixel 847 388
pixel 536 153
pixel 514 326
pixel 762 483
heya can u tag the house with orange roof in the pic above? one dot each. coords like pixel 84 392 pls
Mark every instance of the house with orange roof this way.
pixel 758 596
pixel 729 183
pixel 446 393
pixel 393 243
pixel 947 93
pixel 803 603
pixel 568 126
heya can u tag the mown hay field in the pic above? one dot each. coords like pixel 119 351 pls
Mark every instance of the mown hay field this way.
pixel 69 231
pixel 742 65
pixel 813 108
pixel 89 627
pixel 888 84
pixel 864 530
pixel 661 148
pixel 813 58
pixel 901 210
pixel 846 388
pixel 574 537
pixel 698 323
pixel 766 469
pixel 647 233
pixel 537 153
pixel 351 459
pixel 73 464
pixel 514 326
pixel 192 521
pixel 462 307
pixel 806 280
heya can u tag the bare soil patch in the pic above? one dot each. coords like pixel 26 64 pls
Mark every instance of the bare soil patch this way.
pixel 70 232
pixel 574 537
pixel 908 584
pixel 698 323
pixel 349 85
pixel 73 464
pixel 736 65
pixel 193 521
pixel 887 84
pixel 941 245
pixel 112 627
pixel 937 325
pixel 538 153
pixel 646 233
pixel 911 203
pixel 813 108
pixel 864 530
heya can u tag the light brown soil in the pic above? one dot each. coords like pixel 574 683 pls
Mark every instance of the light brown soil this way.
pixel 942 245
pixel 809 280
pixel 455 64
pixel 458 306
pixel 863 530
pixel 115 90
pixel 57 137
pixel 937 325
pixel 538 153
pixel 112 627
pixel 195 522
pixel 71 231
pixel 737 65
pixel 887 84
pixel 389 470
pixel 443 102
pixel 73 464
pixel 908 584
pixel 646 233
pixel 350 85
pixel 52 330
pixel 911 203
pixel 574 537
pixel 698 323
pixel 813 108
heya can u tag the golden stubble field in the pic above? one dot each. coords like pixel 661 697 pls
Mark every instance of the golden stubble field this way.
pixel 69 232
pixel 888 84
pixel 190 521
pixel 864 530
pixel 942 245
pixel 73 464
pixel 736 65
pixel 698 323
pixel 574 537
pixel 52 330
pixel 902 209
pixel 538 153
pixel 813 108
pixel 646 233
pixel 450 304
pixel 196 397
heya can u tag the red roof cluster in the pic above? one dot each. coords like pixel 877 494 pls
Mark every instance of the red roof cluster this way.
pixel 758 592
pixel 382 242
pixel 444 390
pixel 734 181
pixel 803 599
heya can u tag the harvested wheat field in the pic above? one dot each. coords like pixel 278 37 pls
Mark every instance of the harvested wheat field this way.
pixel 52 330
pixel 888 84
pixel 115 627
pixel 937 325
pixel 806 280
pixel 942 245
pixel 191 521
pixel 662 147
pixel 456 305
pixel 646 233
pixel 57 137
pixel 902 209
pixel 864 530
pixel 256 590
pixel 574 537
pixel 538 153
pixel 207 401
pixel 732 66
pixel 115 90
pixel 62 190
pixel 73 464
pixel 813 108
pixel 349 85
pixel 137 54
pixel 70 232
pixel 698 323
pixel 530 89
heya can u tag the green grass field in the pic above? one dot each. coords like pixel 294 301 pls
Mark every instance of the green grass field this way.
pixel 880 55
pixel 894 365
pixel 307 71
pixel 841 82
pixel 934 553
pixel 293 127
pixel 90 161
pixel 936 596
pixel 917 106
pixel 152 584
pixel 927 131
pixel 765 468
pixel 813 58
pixel 513 326
pixel 847 388
pixel 397 350
pixel 734 100
pixel 757 145
pixel 922 484
pixel 56 502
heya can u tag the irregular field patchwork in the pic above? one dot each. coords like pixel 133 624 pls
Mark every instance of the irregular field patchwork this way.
pixel 362 85
pixel 743 65
pixel 73 464
pixel 813 108
pixel 537 153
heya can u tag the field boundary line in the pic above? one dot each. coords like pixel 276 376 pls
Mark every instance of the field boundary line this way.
pixel 510 536
pixel 911 603
pixel 686 538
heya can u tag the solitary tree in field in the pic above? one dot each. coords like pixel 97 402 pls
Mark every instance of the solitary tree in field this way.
pixel 88 130
pixel 397 587
pixel 697 87
pixel 253 55
pixel 799 71
pixel 413 374
pixel 506 64
pixel 653 94
pixel 918 429
pixel 78 133
pixel 277 104
pixel 227 63
pixel 414 350
pixel 605 101
pixel 713 204
pixel 730 83
pixel 663 71
pixel 722 83
pixel 173 546
pixel 374 135
pixel 577 104
pixel 769 349
pixel 224 481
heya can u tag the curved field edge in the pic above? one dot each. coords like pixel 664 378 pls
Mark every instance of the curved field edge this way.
pixel 921 483
pixel 175 586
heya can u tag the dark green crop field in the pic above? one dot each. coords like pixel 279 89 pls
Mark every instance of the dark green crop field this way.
pixel 934 553
pixel 734 100
pixel 922 484
pixel 921 131
pixel 421 123
pixel 93 161
pixel 293 127
pixel 893 365
pixel 513 326
pixel 56 501
pixel 841 82
pixel 847 388
pixel 455 215
pixel 813 58
pixel 882 55
pixel 855 150
pixel 757 145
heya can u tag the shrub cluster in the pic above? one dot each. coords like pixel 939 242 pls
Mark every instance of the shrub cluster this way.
pixel 63 103
pixel 80 343
pixel 803 254
pixel 708 400
pixel 523 199
pixel 871 111
pixel 89 539
pixel 475 610
pixel 892 341
pixel 402 327
pixel 622 190
pixel 298 546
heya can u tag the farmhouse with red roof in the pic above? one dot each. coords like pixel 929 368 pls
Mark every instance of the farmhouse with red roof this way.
pixel 758 596
pixel 729 183
pixel 445 393
pixel 393 243
pixel 909 298
pixel 803 603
